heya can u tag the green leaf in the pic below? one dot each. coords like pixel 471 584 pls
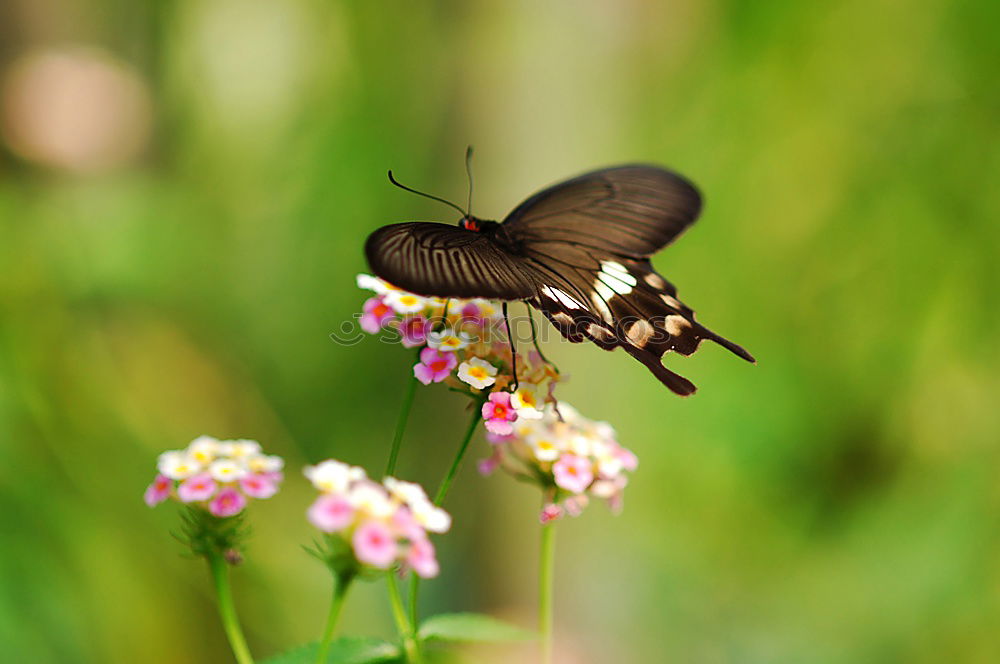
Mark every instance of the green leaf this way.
pixel 345 650
pixel 470 627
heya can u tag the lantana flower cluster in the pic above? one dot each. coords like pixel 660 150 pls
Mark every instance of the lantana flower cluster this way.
pixel 384 523
pixel 464 345
pixel 219 475
pixel 571 457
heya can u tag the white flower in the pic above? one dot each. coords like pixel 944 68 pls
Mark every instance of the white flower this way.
pixel 569 414
pixel 409 493
pixel 545 448
pixel 527 428
pixel 227 470
pixel 368 282
pixel 204 449
pixel 448 340
pixel 609 464
pixel 333 476
pixel 604 430
pixel 580 445
pixel 433 519
pixel 405 303
pixel 525 401
pixel 265 463
pixel 371 498
pixel 608 488
pixel 177 465
pixel 243 448
pixel 477 372
pixel 486 308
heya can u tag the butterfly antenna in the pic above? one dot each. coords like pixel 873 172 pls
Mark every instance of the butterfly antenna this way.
pixel 420 193
pixel 468 171
pixel 513 351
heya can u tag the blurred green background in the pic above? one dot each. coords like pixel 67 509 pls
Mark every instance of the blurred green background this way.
pixel 185 187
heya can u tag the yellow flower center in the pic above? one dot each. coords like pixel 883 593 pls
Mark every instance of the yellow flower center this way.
pixel 477 372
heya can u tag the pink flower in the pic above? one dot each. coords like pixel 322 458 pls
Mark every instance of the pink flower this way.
pixel 499 414
pixel 490 463
pixel 199 487
pixel 158 491
pixel 421 558
pixel 414 331
pixel 500 439
pixel 629 460
pixel 573 473
pixel 434 366
pixel 331 513
pixel 574 504
pixel 374 544
pixel 228 503
pixel 406 525
pixel 376 314
pixel 473 314
pixel 260 485
pixel 550 512
pixel 612 490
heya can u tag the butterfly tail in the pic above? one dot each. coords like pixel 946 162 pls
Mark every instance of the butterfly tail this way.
pixel 676 383
pixel 736 349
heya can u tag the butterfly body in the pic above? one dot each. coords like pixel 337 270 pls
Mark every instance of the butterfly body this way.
pixel 577 251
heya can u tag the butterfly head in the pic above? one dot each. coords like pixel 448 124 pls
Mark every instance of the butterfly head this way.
pixel 476 225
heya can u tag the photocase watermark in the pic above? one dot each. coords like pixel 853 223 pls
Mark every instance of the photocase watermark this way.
pixel 640 331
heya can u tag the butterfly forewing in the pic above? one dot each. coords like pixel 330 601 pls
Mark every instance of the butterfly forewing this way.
pixel 627 210
pixel 437 259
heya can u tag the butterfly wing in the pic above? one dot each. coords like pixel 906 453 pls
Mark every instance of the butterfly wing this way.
pixel 585 245
pixel 448 261
pixel 631 210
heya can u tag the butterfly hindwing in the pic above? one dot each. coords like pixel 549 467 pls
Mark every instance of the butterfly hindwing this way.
pixel 626 304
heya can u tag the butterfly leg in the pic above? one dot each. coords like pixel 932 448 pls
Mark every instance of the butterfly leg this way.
pixel 534 339
pixel 513 351
pixel 444 315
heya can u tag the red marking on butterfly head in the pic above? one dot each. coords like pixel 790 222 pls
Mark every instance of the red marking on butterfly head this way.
pixel 470 224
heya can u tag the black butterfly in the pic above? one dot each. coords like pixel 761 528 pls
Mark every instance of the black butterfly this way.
pixel 578 251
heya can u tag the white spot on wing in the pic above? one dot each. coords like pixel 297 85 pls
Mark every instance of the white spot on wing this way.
pixel 563 318
pixel 603 290
pixel 654 280
pixel 599 297
pixel 639 332
pixel 616 277
pixel 675 325
pixel 619 271
pixel 672 301
pixel 561 297
pixel 600 332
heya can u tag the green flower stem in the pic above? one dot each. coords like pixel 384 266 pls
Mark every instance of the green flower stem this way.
pixel 341 584
pixel 546 567
pixel 457 461
pixel 404 414
pixel 407 631
pixel 227 610
pixel 442 492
